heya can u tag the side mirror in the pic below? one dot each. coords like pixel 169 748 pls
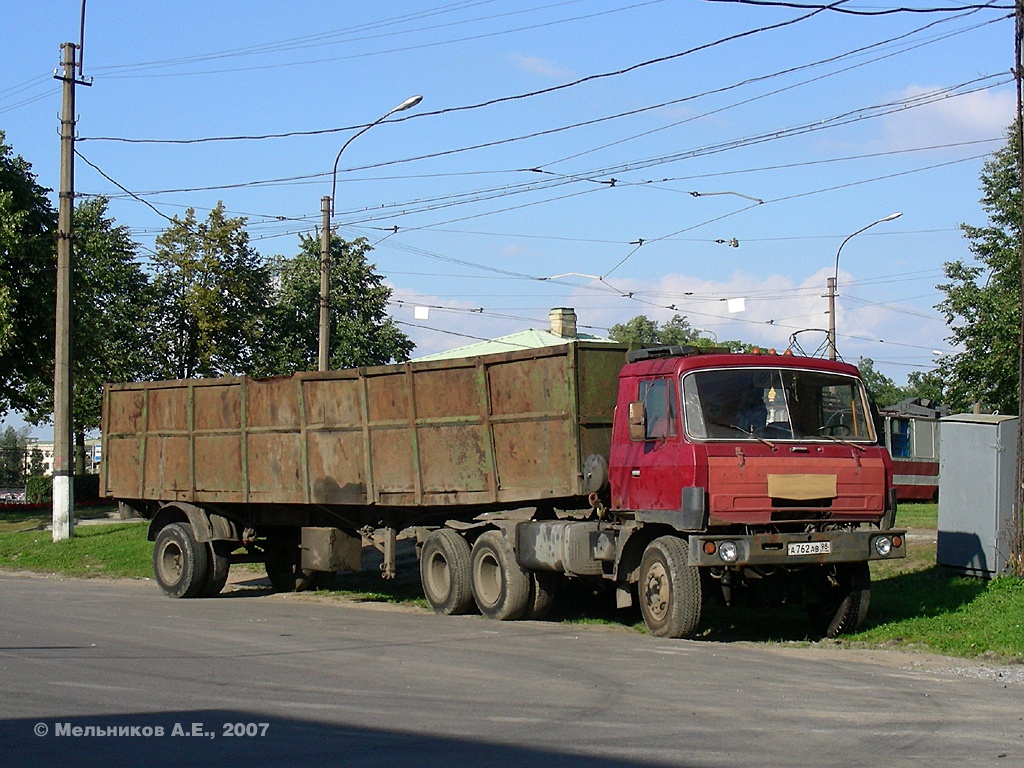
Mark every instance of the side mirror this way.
pixel 637 421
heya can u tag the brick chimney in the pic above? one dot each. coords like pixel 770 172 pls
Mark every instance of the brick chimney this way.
pixel 563 322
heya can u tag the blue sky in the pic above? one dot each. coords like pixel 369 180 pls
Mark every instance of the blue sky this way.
pixel 560 140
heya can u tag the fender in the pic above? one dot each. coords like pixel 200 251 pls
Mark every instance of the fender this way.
pixel 205 526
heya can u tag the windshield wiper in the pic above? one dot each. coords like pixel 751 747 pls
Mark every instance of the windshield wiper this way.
pixel 745 432
pixel 839 440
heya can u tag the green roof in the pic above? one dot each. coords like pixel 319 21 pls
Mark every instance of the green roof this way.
pixel 523 340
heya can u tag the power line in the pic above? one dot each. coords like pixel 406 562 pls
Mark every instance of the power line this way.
pixel 835 7
pixel 482 104
pixel 420 46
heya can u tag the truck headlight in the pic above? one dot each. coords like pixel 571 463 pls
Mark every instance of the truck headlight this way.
pixel 728 552
pixel 883 545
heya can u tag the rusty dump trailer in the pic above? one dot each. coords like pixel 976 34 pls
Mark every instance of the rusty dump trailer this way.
pixel 666 474
pixel 342 456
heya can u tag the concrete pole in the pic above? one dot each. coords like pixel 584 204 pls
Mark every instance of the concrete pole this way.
pixel 831 318
pixel 63 465
pixel 325 284
pixel 1017 536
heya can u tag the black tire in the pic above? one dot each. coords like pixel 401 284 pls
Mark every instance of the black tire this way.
pixel 219 567
pixel 543 589
pixel 669 589
pixel 445 564
pixel 838 598
pixel 285 572
pixel 180 563
pixel 501 589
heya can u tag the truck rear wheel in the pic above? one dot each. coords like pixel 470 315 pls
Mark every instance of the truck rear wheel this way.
pixel 837 600
pixel 501 588
pixel 445 572
pixel 217 572
pixel 180 563
pixel 669 589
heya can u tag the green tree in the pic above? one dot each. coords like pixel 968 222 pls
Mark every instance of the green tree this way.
pixel 639 332
pixel 362 333
pixel 983 301
pixel 642 332
pixel 27 281
pixel 36 466
pixel 211 298
pixel 927 385
pixel 111 304
pixel 12 457
pixel 882 390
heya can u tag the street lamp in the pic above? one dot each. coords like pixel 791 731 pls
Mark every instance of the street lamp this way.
pixel 327 210
pixel 835 277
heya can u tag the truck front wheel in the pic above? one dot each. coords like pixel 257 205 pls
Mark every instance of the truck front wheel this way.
pixel 180 563
pixel 669 589
pixel 837 599
pixel 445 572
pixel 501 588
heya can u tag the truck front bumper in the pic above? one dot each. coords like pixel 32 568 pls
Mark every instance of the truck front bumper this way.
pixel 768 549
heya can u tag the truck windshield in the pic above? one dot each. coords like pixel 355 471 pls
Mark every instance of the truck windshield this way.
pixel 775 404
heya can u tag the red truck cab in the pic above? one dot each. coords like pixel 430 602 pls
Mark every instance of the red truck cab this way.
pixel 731 441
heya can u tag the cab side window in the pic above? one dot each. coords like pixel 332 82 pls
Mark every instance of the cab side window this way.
pixel 659 399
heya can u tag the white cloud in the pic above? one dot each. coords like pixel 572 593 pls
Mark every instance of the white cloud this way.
pixel 973 116
pixel 538 66
pixel 777 306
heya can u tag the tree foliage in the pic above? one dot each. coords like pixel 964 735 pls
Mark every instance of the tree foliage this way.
pixel 111 301
pixel 27 281
pixel 13 455
pixel 642 332
pixel 211 296
pixel 362 333
pixel 983 299
pixel 882 390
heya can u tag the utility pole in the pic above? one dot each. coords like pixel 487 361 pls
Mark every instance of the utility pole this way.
pixel 1017 534
pixel 831 318
pixel 63 465
pixel 325 283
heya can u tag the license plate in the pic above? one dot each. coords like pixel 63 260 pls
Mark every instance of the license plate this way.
pixel 809 548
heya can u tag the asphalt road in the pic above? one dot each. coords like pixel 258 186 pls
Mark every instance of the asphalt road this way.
pixel 111 673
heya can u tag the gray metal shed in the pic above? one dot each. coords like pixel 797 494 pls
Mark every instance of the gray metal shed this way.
pixel 977 475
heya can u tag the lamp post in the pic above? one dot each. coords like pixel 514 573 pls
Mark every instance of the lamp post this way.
pixel 326 211
pixel 835 277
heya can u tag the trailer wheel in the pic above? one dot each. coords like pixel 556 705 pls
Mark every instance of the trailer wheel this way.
pixel 285 571
pixel 543 588
pixel 669 589
pixel 837 600
pixel 501 588
pixel 217 573
pixel 180 563
pixel 295 579
pixel 445 572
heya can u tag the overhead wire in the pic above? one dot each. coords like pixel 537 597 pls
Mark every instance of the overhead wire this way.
pixel 485 103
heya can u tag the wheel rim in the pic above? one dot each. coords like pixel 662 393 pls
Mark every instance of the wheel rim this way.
pixel 656 591
pixel 439 576
pixel 488 579
pixel 171 562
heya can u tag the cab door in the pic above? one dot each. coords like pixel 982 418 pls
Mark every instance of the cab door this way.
pixel 651 462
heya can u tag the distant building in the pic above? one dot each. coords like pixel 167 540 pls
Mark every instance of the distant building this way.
pixel 92 456
pixel 562 328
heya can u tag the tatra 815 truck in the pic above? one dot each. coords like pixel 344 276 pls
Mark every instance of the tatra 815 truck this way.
pixel 672 475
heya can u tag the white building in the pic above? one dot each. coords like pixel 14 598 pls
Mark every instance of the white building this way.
pixel 92 456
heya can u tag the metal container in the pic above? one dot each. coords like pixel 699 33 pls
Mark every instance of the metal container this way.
pixel 977 478
pixel 494 430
